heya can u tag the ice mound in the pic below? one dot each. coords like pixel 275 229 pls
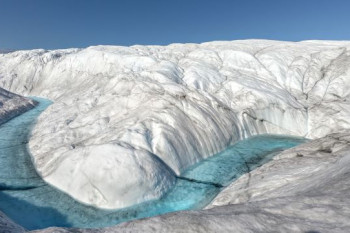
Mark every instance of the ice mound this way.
pixel 129 118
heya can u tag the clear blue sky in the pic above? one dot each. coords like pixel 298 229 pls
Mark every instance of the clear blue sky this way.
pixel 27 24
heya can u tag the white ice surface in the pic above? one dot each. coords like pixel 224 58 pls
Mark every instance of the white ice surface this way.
pixel 119 111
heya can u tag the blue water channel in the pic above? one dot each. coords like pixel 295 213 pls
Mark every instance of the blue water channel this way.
pixel 30 202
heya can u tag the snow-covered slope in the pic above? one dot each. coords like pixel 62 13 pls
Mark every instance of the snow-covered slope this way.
pixel 12 105
pixel 125 119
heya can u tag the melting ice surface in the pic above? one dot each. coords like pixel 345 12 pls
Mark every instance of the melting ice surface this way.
pixel 29 201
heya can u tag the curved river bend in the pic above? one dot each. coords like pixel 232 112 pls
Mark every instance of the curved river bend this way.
pixel 32 203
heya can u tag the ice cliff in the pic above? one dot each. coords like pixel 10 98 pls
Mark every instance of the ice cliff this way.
pixel 126 119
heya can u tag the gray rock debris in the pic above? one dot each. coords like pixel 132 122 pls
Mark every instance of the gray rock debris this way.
pixel 12 105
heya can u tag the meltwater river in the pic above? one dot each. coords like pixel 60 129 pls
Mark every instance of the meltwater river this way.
pixel 32 203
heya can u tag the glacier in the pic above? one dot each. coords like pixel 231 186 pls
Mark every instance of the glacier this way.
pixel 32 203
pixel 126 120
pixel 303 189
